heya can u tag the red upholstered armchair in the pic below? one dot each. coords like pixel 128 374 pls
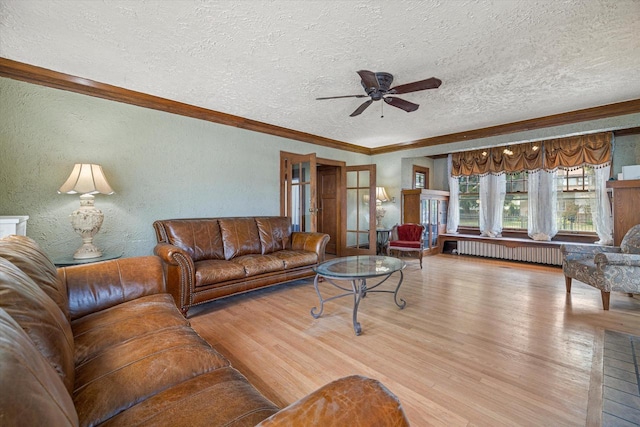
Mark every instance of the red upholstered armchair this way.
pixel 407 238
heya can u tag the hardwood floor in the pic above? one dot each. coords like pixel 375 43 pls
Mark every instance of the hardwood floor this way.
pixel 480 342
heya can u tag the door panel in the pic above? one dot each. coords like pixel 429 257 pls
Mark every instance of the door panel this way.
pixel 360 206
pixel 298 190
pixel 328 219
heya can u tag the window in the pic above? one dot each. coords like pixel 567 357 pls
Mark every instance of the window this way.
pixel 420 177
pixel 575 199
pixel 469 200
pixel 516 202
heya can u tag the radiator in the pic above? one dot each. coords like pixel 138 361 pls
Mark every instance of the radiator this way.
pixel 521 253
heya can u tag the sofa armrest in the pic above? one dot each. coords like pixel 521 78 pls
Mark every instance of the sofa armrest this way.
pixel 180 273
pixel 95 287
pixel 630 260
pixel 313 242
pixel 354 401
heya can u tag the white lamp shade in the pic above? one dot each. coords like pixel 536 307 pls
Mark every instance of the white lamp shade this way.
pixel 381 194
pixel 86 178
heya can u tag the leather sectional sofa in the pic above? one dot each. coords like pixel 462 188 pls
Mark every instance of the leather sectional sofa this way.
pixel 209 258
pixel 103 344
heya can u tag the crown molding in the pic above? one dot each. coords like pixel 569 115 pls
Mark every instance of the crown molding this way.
pixel 601 112
pixel 54 79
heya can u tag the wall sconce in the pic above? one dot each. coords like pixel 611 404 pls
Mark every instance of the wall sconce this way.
pixel 86 180
pixel 381 196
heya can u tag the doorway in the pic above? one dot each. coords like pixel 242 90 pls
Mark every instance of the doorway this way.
pixel 329 205
pixel 313 193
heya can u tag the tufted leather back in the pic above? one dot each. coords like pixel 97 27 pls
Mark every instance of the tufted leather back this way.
pixel 25 253
pixel 200 238
pixel 275 233
pixel 40 317
pixel 33 393
pixel 240 237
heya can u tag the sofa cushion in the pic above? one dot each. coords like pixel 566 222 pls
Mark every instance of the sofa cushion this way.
pixel 240 237
pixel 40 317
pixel 214 271
pixel 101 330
pixel 275 233
pixel 200 238
pixel 259 264
pixel 25 253
pixel 220 398
pixel 631 241
pixel 28 378
pixel 294 259
pixel 134 370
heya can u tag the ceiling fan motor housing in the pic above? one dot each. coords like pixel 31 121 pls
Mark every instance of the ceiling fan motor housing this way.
pixel 384 83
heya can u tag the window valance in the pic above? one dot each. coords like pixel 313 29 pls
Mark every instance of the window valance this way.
pixel 564 153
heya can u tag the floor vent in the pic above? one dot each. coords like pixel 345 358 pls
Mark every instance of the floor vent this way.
pixel 551 256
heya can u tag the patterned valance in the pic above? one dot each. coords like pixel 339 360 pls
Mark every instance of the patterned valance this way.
pixel 563 153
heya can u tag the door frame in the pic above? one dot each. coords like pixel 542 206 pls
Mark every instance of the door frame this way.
pixel 341 211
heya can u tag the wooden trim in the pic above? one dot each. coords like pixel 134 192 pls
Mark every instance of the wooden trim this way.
pixel 627 183
pixel 601 112
pixel 625 132
pixel 41 76
pixel 44 77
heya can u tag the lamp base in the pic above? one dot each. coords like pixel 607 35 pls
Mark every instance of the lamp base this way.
pixel 87 251
pixel 86 221
pixel 380 211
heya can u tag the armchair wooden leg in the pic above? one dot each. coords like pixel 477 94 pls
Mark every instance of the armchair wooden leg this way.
pixel 420 259
pixel 567 282
pixel 605 299
pixel 630 295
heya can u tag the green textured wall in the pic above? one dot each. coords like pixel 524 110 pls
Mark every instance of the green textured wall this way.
pixel 160 166
pixel 167 166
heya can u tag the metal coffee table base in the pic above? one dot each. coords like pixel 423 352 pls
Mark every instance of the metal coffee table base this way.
pixel 359 290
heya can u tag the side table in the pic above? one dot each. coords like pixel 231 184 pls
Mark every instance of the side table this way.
pixel 382 238
pixel 70 260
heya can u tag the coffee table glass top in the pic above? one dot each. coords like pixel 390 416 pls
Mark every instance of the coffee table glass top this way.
pixel 362 266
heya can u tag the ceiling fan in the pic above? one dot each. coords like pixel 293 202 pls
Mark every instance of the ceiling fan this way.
pixel 376 86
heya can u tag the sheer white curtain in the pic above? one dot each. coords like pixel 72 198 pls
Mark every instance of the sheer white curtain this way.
pixel 453 219
pixel 543 206
pixel 492 192
pixel 601 209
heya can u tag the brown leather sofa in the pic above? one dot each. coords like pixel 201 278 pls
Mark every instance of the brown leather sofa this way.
pixel 209 258
pixel 102 344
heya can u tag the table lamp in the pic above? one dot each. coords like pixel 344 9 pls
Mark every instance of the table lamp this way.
pixel 381 196
pixel 86 180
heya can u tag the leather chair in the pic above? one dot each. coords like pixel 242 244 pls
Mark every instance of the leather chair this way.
pixel 407 238
pixel 607 268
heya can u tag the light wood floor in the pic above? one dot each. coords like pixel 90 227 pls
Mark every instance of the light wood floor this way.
pixel 480 342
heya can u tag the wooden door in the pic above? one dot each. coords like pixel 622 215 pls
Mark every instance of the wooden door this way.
pixel 360 230
pixel 298 190
pixel 328 203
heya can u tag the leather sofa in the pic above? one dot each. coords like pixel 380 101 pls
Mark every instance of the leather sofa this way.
pixel 205 259
pixel 102 344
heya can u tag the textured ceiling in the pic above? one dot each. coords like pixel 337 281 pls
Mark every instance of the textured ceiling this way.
pixel 500 61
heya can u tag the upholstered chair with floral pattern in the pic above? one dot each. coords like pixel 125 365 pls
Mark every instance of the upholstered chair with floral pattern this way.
pixel 607 268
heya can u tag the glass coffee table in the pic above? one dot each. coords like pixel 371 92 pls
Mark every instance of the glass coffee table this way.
pixel 357 270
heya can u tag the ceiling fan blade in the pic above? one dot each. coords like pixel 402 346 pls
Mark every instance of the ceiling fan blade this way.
pixel 401 104
pixel 431 83
pixel 369 79
pixel 361 108
pixel 343 96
